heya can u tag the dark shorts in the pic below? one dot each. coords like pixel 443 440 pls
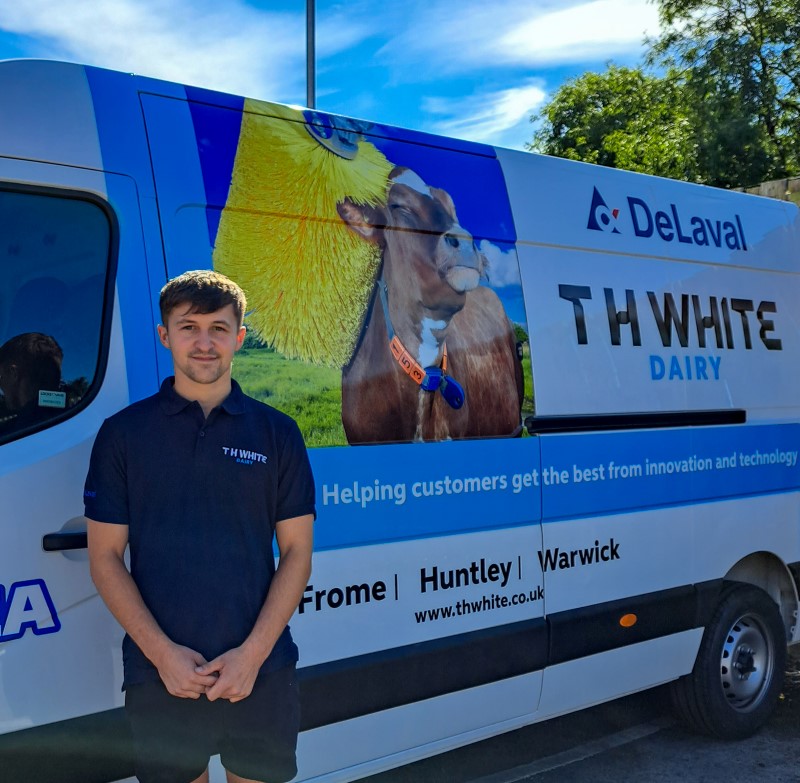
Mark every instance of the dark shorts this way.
pixel 256 737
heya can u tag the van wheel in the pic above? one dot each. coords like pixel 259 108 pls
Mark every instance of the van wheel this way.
pixel 737 677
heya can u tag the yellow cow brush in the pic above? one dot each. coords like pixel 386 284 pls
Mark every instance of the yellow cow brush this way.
pixel 307 277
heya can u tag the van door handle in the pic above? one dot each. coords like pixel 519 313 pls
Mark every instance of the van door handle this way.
pixel 64 540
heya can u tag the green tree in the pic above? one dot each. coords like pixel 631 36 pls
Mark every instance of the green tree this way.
pixel 740 66
pixel 717 99
pixel 253 342
pixel 623 118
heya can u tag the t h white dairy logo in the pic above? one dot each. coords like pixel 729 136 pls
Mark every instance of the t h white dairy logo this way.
pixel 243 456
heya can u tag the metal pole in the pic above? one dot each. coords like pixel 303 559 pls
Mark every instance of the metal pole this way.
pixel 311 97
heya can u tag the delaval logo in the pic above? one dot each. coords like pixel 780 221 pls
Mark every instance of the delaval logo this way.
pixel 670 225
pixel 600 216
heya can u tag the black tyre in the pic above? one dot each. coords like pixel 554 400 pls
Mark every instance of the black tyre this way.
pixel 738 674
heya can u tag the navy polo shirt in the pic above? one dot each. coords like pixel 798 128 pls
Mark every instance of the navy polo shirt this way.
pixel 201 498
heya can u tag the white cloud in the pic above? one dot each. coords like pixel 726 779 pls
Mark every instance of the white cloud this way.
pixel 443 36
pixel 500 117
pixel 595 30
pixel 236 47
pixel 226 46
pixel 503 266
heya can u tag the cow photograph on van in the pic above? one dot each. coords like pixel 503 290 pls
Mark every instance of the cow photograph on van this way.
pixel 550 410
pixel 407 304
pixel 429 284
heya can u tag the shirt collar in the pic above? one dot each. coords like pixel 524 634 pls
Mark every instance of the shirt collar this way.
pixel 172 402
pixel 234 402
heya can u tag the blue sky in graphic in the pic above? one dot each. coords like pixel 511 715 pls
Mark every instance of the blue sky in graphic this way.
pixel 474 69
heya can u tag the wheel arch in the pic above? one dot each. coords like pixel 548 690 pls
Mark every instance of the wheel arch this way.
pixel 768 572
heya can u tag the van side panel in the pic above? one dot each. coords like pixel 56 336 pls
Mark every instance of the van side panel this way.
pixel 654 295
pixel 474 582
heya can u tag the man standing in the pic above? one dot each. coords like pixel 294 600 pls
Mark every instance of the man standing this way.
pixel 197 480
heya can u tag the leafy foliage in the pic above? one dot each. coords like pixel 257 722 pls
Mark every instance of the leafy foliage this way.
pixel 741 69
pixel 717 99
pixel 253 342
pixel 623 118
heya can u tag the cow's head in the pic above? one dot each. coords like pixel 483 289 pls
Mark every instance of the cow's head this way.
pixel 421 238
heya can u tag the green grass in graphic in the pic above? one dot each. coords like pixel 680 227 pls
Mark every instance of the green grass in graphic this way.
pixel 311 395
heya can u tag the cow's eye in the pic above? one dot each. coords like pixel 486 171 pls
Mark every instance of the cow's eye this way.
pixel 401 211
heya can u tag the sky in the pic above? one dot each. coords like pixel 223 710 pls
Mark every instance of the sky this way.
pixel 473 69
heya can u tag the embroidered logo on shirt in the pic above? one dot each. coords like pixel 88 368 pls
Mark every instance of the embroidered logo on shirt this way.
pixel 244 456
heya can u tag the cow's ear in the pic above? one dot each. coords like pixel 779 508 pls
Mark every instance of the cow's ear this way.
pixel 358 218
pixel 446 200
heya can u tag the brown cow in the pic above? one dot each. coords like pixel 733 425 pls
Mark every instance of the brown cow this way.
pixel 431 269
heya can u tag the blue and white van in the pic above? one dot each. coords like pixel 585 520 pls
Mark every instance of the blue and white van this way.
pixel 552 411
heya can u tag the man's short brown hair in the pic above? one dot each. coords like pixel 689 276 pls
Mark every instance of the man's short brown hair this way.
pixel 205 291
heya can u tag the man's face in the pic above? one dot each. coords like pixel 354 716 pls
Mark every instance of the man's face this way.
pixel 202 344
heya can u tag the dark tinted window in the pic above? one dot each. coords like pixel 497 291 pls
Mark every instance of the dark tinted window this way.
pixel 54 255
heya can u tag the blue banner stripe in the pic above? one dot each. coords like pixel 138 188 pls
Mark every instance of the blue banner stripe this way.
pixel 600 473
pixel 378 494
pixel 372 494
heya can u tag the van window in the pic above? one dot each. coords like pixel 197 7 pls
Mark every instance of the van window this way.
pixel 54 252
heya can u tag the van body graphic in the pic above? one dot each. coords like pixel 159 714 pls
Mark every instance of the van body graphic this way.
pixel 668 224
pixel 637 338
pixel 601 218
pixel 26 606
pixel 697 230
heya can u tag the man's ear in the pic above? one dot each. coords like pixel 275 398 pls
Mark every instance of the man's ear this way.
pixel 240 337
pixel 163 335
pixel 359 218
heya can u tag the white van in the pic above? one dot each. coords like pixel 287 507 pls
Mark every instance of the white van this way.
pixel 552 412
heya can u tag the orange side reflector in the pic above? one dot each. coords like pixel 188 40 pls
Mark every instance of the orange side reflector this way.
pixel 628 620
